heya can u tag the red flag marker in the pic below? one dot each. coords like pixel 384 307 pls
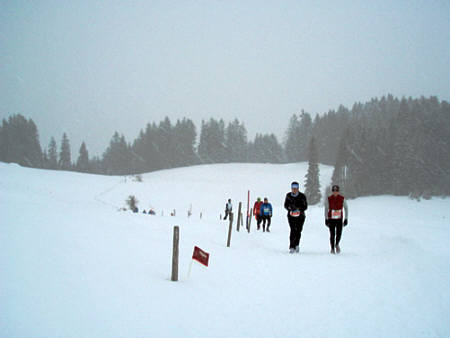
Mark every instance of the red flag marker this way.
pixel 200 256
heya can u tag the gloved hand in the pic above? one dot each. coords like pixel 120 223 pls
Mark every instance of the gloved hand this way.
pixel 345 222
pixel 326 222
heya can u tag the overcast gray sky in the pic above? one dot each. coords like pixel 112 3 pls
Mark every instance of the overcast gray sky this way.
pixel 89 68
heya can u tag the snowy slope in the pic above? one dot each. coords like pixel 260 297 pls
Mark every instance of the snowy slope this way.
pixel 71 265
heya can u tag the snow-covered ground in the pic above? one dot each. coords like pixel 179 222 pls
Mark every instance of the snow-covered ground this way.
pixel 71 265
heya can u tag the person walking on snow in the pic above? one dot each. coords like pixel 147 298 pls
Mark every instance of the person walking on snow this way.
pixel 257 212
pixel 228 208
pixel 334 205
pixel 296 204
pixel 266 214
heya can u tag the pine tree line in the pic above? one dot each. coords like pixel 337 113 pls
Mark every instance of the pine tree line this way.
pixel 399 147
pixel 384 146
pixel 158 146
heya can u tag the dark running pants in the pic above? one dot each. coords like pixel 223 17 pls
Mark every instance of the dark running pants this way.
pixel 258 220
pixel 296 224
pixel 335 226
pixel 264 219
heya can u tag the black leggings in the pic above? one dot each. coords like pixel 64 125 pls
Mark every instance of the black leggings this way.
pixel 264 218
pixel 258 220
pixel 296 224
pixel 335 226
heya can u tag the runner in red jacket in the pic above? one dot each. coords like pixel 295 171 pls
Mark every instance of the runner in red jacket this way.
pixel 257 212
pixel 336 210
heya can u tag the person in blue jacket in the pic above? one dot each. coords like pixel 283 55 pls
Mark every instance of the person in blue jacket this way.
pixel 266 214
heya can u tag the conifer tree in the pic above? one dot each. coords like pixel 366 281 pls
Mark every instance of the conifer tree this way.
pixel 83 159
pixel 166 143
pixel 292 144
pixel 339 176
pixel 45 160
pixel 236 142
pixel 20 142
pixel 52 154
pixel 118 158
pixel 304 136
pixel 184 135
pixel 65 162
pixel 312 184
pixel 34 150
pixel 212 148
pixel 146 150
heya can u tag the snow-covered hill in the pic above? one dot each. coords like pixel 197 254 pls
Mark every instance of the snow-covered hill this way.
pixel 72 265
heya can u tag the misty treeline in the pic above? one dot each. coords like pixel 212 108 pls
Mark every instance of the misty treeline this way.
pixel 384 146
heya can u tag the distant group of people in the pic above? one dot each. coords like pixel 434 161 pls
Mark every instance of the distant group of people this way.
pixel 261 210
pixel 150 212
pixel 263 213
pixel 335 212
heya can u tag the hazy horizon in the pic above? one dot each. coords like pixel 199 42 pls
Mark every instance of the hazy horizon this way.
pixel 91 68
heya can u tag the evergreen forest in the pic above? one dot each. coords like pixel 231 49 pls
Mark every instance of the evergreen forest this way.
pixel 385 146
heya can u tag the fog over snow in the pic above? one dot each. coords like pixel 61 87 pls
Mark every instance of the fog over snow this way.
pixel 89 68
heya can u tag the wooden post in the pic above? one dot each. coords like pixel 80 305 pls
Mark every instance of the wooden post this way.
pixel 176 241
pixel 239 216
pixel 250 220
pixel 230 228
pixel 248 206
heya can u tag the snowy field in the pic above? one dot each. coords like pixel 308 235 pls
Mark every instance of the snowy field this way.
pixel 72 265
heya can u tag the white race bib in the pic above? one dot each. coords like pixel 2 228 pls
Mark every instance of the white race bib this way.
pixel 336 214
pixel 295 213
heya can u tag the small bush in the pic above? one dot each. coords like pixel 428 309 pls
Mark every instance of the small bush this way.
pixel 132 203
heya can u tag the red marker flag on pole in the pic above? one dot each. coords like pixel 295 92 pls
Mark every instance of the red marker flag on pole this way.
pixel 200 256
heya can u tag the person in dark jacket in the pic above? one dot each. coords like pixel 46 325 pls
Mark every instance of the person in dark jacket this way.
pixel 296 204
pixel 266 214
pixel 335 204
pixel 228 208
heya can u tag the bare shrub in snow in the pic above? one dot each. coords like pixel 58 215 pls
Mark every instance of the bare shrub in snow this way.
pixel 132 203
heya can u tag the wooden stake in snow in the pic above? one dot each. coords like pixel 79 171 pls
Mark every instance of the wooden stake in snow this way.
pixel 239 216
pixel 250 219
pixel 248 206
pixel 176 241
pixel 230 228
